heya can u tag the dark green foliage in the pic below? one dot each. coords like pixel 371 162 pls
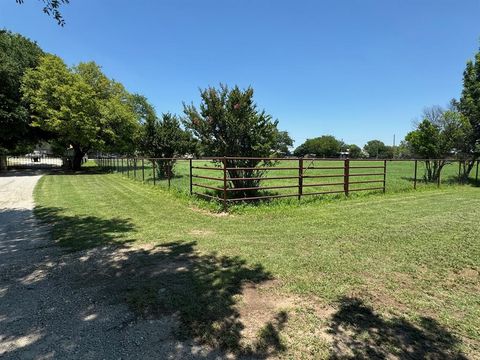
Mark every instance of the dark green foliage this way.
pixel 469 106
pixel 376 149
pixel 324 146
pixel 228 123
pixel 17 54
pixel 282 144
pixel 436 141
pixel 355 152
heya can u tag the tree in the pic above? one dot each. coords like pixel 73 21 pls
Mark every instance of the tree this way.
pixel 323 146
pixel 17 54
pixel 282 143
pixel 81 106
pixel 376 149
pixel 438 141
pixel 165 139
pixel 469 106
pixel 228 123
pixel 52 8
pixel 354 151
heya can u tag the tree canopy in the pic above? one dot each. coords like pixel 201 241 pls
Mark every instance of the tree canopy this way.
pixel 81 106
pixel 17 54
pixel 323 146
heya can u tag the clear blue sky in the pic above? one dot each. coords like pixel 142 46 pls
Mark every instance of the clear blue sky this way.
pixel 357 69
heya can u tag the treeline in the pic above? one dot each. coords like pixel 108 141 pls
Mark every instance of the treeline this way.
pixel 80 110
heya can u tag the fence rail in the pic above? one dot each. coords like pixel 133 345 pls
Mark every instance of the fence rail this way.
pixel 234 179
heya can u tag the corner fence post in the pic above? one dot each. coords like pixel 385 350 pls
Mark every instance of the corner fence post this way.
pixel 143 170
pixel 415 175
pixel 300 178
pixel 191 185
pixel 346 176
pixel 122 166
pixel 384 176
pixel 224 183
pixel 153 164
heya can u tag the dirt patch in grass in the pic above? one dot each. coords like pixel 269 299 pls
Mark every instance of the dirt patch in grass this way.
pixel 210 213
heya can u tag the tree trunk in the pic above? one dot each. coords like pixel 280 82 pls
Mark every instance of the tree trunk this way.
pixel 78 155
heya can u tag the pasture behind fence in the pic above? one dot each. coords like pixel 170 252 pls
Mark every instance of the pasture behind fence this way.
pixel 231 180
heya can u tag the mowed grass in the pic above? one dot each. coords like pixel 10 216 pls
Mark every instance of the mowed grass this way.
pixel 400 271
pixel 399 178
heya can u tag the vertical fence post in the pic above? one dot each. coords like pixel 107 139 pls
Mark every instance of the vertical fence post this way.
pixel 476 173
pixel 439 177
pixel 143 170
pixel 415 175
pixel 128 167
pixel 346 176
pixel 191 177
pixel 135 168
pixel 224 183
pixel 122 166
pixel 169 171
pixel 300 178
pixel 153 167
pixel 384 176
pixel 459 171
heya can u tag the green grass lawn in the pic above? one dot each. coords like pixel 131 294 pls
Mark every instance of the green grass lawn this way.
pixel 399 176
pixel 369 276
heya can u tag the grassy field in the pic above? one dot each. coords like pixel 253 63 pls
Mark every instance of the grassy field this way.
pixel 399 176
pixel 394 275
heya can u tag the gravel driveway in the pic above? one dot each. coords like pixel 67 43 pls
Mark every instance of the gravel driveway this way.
pixel 55 304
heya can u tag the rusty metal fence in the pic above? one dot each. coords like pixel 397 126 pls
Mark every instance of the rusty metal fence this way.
pixel 238 179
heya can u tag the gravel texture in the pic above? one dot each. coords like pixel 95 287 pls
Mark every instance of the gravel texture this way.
pixel 55 304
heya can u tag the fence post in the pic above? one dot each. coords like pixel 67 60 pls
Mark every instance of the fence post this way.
pixel 143 170
pixel 153 165
pixel 384 176
pixel 135 168
pixel 438 179
pixel 128 167
pixel 459 171
pixel 169 172
pixel 346 176
pixel 191 185
pixel 415 176
pixel 224 183
pixel 122 166
pixel 476 173
pixel 300 178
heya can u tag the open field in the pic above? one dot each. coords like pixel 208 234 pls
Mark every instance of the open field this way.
pixel 382 276
pixel 400 176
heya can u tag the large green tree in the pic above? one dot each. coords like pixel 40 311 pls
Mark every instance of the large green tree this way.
pixel 437 140
pixel 228 123
pixel 17 54
pixel 81 106
pixel 469 106
pixel 376 149
pixel 324 146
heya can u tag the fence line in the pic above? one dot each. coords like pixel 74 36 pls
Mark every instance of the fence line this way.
pixel 227 181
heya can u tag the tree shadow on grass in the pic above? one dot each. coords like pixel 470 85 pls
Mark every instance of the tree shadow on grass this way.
pixel 83 232
pixel 201 289
pixel 179 298
pixel 359 333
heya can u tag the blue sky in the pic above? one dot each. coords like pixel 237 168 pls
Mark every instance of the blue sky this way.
pixel 357 69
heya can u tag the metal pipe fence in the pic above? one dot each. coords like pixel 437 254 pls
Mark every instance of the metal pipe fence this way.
pixel 230 180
